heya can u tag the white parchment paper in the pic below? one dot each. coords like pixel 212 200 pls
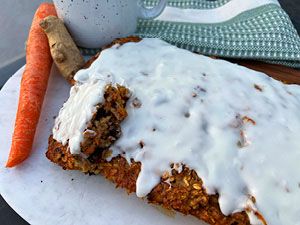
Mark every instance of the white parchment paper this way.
pixel 42 193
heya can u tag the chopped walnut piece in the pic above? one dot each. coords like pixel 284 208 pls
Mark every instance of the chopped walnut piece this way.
pixel 252 198
pixel 136 103
pixel 172 179
pixel 240 144
pixel 166 176
pixel 142 144
pixel 197 186
pixel 260 217
pixel 245 141
pixel 258 87
pixel 247 119
pixel 89 134
pixel 186 182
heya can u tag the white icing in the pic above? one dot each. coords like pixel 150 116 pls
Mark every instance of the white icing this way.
pixel 71 122
pixel 198 107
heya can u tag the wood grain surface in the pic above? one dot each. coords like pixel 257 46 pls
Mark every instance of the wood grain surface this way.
pixel 283 73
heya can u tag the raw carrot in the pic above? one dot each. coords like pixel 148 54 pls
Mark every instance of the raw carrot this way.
pixel 33 87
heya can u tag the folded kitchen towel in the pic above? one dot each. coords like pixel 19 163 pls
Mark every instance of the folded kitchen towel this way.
pixel 249 29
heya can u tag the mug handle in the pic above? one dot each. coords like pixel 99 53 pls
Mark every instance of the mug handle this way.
pixel 146 13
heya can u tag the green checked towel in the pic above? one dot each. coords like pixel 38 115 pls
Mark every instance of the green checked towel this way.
pixel 249 29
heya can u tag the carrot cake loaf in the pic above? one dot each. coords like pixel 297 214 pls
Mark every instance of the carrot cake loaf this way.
pixel 197 135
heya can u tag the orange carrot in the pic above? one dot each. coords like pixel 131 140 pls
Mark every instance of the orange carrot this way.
pixel 33 87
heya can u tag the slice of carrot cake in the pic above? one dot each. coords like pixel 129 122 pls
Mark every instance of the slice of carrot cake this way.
pixel 197 135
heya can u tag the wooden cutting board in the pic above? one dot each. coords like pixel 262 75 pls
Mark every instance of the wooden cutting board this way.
pixel 283 73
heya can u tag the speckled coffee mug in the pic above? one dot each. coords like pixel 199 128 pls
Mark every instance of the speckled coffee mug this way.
pixel 95 23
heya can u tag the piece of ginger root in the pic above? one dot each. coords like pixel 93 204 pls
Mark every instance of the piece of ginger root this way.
pixel 64 51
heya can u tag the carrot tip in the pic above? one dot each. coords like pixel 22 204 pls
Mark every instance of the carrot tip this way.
pixel 12 162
